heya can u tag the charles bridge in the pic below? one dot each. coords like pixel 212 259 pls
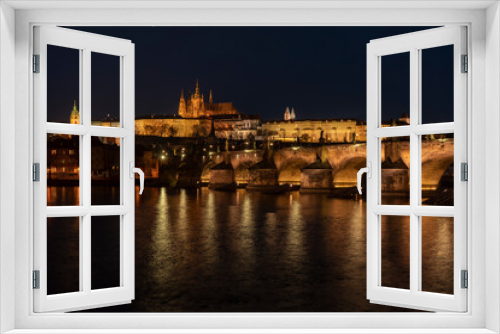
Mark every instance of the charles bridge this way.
pixel 345 161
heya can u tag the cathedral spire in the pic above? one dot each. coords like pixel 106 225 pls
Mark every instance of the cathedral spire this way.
pixel 210 98
pixel 197 91
pixel 182 105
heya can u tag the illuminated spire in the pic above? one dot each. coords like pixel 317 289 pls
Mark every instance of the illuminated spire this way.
pixel 197 91
pixel 211 99
pixel 292 114
pixel 287 114
pixel 182 105
pixel 75 114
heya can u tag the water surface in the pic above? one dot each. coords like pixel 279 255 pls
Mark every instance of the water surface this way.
pixel 211 251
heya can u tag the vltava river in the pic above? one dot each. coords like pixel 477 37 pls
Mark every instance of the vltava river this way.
pixel 211 251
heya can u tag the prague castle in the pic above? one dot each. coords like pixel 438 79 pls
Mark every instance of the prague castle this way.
pixel 196 107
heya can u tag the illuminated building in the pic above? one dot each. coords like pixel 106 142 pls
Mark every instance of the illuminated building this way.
pixel 196 107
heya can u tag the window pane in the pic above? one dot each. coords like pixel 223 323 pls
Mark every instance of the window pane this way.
pixel 105 252
pixel 105 171
pixel 105 90
pixel 437 84
pixel 395 172
pixel 63 84
pixel 63 170
pixel 395 94
pixel 395 251
pixel 437 254
pixel 63 255
pixel 438 170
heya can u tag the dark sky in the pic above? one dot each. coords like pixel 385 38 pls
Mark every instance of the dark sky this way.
pixel 320 71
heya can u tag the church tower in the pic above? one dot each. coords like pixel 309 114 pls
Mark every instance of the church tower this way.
pixel 74 118
pixel 287 114
pixel 210 98
pixel 292 115
pixel 182 105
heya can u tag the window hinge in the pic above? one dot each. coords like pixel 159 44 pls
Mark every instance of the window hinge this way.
pixel 36 279
pixel 465 64
pixel 464 171
pixel 36 172
pixel 36 63
pixel 465 279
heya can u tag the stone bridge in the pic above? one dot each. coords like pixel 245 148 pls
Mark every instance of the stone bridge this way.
pixel 345 159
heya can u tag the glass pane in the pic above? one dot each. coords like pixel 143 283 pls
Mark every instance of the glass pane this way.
pixel 63 169
pixel 437 254
pixel 63 84
pixel 105 171
pixel 395 94
pixel 395 251
pixel 438 170
pixel 395 171
pixel 105 252
pixel 63 255
pixel 437 84
pixel 105 90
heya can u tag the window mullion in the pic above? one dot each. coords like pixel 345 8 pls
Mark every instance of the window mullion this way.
pixel 415 171
pixel 86 173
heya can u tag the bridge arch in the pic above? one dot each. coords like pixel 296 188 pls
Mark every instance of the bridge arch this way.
pixel 339 155
pixel 205 174
pixel 437 157
pixel 346 174
pixel 433 169
pixel 291 170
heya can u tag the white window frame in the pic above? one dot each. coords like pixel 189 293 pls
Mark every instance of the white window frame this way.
pixel 482 19
pixel 85 44
pixel 414 44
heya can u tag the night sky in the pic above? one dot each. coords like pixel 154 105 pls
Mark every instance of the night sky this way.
pixel 320 71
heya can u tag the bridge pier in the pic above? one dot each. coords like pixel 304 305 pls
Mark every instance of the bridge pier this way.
pixel 317 178
pixel 222 177
pixel 263 176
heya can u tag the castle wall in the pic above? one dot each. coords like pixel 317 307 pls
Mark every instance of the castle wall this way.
pixel 172 127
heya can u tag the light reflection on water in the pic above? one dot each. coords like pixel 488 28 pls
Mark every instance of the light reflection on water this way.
pixel 209 251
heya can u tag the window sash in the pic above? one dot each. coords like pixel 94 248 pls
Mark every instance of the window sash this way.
pixel 86 44
pixel 413 43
